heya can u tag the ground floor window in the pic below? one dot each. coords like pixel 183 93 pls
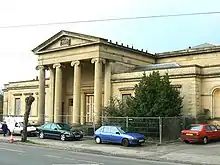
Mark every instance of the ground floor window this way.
pixel 17 106
pixel 125 97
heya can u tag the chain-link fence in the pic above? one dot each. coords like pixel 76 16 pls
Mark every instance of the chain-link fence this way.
pixel 156 129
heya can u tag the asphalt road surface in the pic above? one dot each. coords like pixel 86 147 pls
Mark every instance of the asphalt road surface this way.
pixel 15 154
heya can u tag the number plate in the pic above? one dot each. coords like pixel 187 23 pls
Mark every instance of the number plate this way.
pixel 77 135
pixel 189 134
pixel 142 140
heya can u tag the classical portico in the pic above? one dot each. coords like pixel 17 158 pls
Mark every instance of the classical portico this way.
pixel 83 61
pixel 56 90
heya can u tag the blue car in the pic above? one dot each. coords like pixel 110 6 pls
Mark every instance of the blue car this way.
pixel 115 134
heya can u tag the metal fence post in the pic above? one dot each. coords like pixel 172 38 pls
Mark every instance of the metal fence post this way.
pixel 184 123
pixel 160 129
pixel 126 123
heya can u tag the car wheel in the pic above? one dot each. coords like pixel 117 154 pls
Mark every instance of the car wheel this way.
pixel 41 135
pixel 98 140
pixel 62 137
pixel 125 142
pixel 187 142
pixel 205 140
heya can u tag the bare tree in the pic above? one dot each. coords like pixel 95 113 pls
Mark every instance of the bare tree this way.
pixel 29 100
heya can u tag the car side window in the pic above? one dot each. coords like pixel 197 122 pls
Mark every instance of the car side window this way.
pixel 101 129
pixel 208 128
pixel 106 129
pixel 114 130
pixel 53 126
pixel 218 127
pixel 47 126
pixel 214 128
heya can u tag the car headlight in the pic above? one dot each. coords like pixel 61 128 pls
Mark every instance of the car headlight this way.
pixel 133 138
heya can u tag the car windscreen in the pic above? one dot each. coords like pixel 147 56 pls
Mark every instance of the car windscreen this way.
pixel 195 127
pixel 64 126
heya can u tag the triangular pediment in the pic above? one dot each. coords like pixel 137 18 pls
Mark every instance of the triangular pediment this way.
pixel 65 40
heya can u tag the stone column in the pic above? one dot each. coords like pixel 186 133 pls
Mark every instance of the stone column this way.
pixel 52 85
pixel 83 109
pixel 76 91
pixel 41 103
pixel 107 83
pixel 58 93
pixel 98 90
pixel 5 103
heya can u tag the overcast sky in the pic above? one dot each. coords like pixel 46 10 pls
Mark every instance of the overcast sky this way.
pixel 155 35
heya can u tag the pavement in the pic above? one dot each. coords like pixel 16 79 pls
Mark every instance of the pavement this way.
pixel 175 152
pixel 16 154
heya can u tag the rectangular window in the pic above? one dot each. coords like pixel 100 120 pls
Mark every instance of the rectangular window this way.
pixel 125 97
pixel 70 102
pixel 17 106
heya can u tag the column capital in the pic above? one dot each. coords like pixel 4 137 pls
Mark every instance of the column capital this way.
pixel 39 67
pixel 73 63
pixel 99 60
pixel 58 65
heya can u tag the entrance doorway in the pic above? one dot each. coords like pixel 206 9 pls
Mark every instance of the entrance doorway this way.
pixel 89 108
pixel 62 113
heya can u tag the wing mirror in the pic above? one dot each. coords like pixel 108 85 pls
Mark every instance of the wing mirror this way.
pixel 118 133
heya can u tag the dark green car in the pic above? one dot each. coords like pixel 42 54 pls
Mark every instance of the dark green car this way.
pixel 60 131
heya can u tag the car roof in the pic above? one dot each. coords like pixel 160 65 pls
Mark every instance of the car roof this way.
pixel 54 123
pixel 201 124
pixel 111 126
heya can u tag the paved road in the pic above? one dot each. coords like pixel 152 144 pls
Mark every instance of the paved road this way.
pixel 14 154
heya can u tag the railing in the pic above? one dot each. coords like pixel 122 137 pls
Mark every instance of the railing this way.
pixel 156 129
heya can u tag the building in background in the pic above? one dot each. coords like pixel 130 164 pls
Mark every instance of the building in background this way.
pixel 85 71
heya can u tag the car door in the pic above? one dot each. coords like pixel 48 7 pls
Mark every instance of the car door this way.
pixel 105 134
pixel 55 132
pixel 17 129
pixel 115 135
pixel 46 130
pixel 209 132
pixel 216 132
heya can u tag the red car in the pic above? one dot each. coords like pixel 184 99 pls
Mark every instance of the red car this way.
pixel 200 133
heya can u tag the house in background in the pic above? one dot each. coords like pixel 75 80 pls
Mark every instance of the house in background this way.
pixel 85 71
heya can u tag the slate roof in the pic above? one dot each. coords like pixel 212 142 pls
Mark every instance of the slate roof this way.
pixel 204 45
pixel 156 66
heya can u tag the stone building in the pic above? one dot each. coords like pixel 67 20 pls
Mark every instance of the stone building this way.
pixel 86 70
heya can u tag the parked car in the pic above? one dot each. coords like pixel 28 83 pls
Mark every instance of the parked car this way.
pixel 16 124
pixel 115 134
pixel 60 131
pixel 200 133
pixel 1 131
